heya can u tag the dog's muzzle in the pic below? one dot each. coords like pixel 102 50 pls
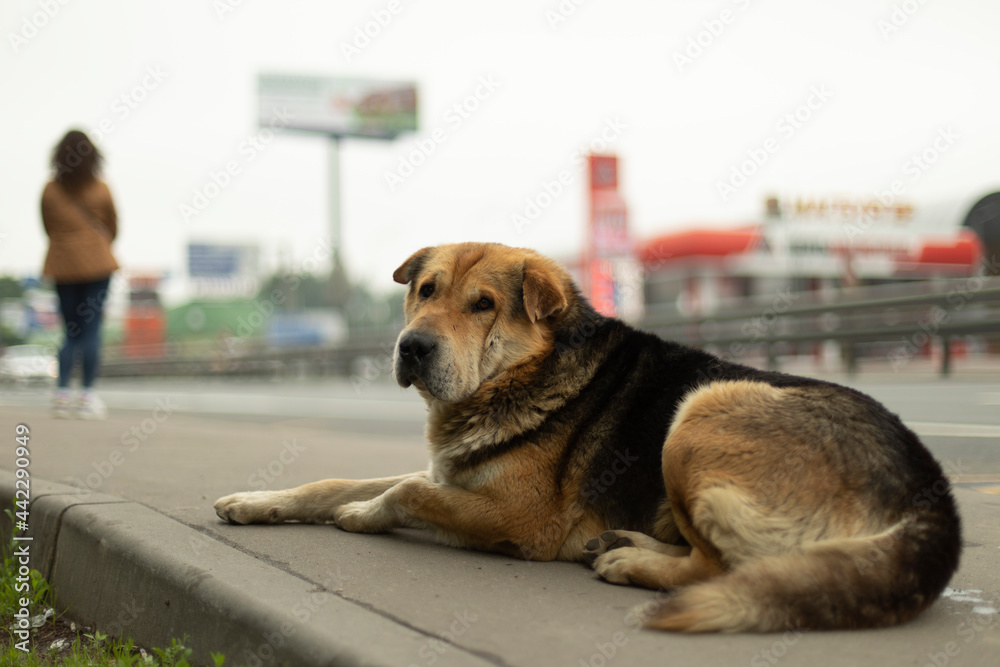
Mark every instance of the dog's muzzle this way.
pixel 415 353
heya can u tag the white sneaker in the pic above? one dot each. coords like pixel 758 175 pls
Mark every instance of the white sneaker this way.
pixel 91 407
pixel 62 403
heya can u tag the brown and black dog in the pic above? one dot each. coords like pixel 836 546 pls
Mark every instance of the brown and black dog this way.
pixel 772 501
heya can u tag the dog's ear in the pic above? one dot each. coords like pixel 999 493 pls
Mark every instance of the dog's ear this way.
pixel 412 266
pixel 544 293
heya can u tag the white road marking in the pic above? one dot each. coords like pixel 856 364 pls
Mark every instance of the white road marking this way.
pixel 989 398
pixel 970 596
pixel 255 404
pixel 955 430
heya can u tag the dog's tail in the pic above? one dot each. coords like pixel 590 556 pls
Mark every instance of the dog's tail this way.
pixel 860 582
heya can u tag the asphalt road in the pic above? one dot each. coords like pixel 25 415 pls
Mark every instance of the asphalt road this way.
pixel 958 420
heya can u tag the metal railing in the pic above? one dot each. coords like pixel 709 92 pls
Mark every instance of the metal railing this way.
pixel 865 322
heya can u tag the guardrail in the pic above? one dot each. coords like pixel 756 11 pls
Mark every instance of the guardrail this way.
pixel 899 325
pixel 349 358
pixel 865 322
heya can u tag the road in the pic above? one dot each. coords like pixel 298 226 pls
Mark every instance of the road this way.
pixel 958 420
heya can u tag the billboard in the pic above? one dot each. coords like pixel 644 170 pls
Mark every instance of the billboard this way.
pixel 223 270
pixel 341 107
pixel 221 260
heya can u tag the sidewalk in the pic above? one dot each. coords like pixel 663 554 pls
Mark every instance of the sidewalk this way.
pixel 123 527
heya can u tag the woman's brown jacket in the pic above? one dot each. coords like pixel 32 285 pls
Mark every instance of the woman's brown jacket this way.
pixel 81 226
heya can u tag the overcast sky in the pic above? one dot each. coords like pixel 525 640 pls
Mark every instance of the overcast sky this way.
pixel 831 99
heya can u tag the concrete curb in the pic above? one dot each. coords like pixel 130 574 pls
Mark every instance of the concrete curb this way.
pixel 123 567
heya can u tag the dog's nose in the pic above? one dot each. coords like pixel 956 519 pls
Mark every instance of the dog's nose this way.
pixel 416 347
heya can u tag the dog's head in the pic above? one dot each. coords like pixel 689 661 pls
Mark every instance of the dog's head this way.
pixel 474 310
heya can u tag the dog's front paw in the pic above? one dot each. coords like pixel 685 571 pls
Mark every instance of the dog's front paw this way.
pixel 364 516
pixel 251 507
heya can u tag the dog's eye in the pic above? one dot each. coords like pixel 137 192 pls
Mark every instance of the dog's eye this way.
pixel 426 290
pixel 484 303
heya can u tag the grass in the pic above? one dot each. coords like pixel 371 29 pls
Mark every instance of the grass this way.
pixel 60 642
pixel 97 649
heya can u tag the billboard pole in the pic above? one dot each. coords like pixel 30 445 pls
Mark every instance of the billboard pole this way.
pixel 333 173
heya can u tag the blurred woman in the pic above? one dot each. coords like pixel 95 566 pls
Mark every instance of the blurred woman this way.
pixel 79 217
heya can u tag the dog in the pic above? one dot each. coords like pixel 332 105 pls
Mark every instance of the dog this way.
pixel 764 501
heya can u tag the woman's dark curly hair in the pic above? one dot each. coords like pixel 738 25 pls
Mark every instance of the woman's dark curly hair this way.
pixel 76 160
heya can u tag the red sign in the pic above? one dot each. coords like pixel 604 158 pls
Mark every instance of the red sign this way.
pixel 603 172
pixel 608 240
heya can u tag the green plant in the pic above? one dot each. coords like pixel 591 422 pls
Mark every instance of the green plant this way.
pixel 176 655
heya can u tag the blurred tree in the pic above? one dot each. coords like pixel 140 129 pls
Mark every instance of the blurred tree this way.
pixel 291 291
pixel 9 337
pixel 338 285
pixel 10 288
pixel 363 309
pixel 367 310
pixel 296 291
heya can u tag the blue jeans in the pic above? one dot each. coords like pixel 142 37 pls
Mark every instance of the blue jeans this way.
pixel 82 306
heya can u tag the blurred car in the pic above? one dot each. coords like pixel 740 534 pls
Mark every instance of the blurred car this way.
pixel 26 363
